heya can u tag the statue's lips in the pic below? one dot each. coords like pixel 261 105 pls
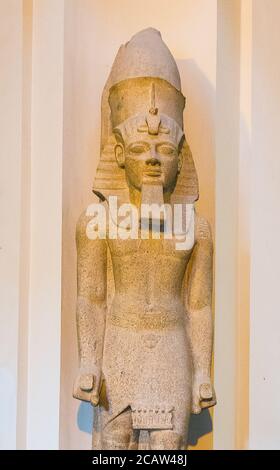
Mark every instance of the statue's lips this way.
pixel 152 173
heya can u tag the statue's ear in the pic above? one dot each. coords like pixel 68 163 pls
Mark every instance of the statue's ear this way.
pixel 119 149
pixel 119 154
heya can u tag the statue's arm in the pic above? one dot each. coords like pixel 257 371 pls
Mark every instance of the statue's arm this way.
pixel 91 311
pixel 199 315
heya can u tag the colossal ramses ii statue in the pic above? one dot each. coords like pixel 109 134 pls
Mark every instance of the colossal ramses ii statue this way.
pixel 144 295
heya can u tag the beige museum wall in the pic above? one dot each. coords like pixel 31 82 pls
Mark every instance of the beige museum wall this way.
pixel 10 132
pixel 232 260
pixel 31 61
pixel 264 406
pixel 94 30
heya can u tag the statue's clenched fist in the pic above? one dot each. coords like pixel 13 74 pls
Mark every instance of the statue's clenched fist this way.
pixel 87 386
pixel 203 394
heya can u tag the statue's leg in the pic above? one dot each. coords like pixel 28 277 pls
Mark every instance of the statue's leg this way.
pixel 172 439
pixel 117 432
pixel 166 439
pixel 97 431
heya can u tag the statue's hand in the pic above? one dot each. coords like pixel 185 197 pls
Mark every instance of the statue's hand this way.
pixel 203 393
pixel 87 386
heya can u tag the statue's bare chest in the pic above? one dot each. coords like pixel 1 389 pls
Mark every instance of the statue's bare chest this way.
pixel 149 248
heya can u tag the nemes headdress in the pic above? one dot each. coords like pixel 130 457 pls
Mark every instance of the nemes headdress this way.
pixel 143 92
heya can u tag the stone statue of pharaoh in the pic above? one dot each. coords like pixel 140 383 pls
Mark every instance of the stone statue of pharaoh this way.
pixel 145 349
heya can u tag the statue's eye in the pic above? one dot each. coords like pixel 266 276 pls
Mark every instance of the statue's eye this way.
pixel 137 148
pixel 166 149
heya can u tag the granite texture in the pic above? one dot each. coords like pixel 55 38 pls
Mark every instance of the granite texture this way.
pixel 144 316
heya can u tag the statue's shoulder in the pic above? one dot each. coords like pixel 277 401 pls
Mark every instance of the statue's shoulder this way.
pixel 202 228
pixel 92 219
pixel 82 222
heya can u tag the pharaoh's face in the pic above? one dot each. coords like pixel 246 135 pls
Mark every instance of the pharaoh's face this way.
pixel 149 159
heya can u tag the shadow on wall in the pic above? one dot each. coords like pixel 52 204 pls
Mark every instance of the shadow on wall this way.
pixel 85 417
pixel 199 424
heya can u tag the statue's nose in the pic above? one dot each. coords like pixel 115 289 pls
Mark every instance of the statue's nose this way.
pixel 153 161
